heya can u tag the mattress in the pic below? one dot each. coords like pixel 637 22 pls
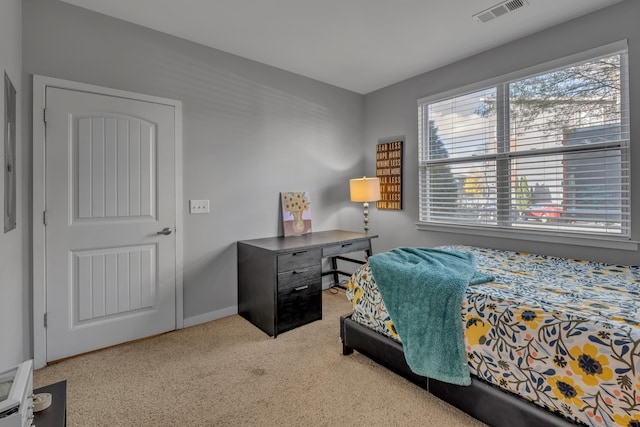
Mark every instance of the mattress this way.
pixel 564 334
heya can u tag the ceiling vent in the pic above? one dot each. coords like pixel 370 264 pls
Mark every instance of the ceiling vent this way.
pixel 499 10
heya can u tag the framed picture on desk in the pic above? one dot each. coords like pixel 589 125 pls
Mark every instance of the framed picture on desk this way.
pixel 296 213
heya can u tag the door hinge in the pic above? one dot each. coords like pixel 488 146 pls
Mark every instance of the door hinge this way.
pixel 45 320
pixel 44 217
pixel 44 115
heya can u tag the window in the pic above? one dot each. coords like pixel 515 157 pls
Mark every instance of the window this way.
pixel 547 151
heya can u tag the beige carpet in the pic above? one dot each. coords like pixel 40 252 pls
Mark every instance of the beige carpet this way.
pixel 229 373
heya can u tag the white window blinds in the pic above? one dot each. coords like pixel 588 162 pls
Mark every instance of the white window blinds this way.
pixel 548 152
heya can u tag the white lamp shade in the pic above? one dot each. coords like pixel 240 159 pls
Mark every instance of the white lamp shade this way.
pixel 364 189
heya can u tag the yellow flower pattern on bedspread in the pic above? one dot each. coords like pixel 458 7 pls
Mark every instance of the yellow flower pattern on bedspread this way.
pixel 564 334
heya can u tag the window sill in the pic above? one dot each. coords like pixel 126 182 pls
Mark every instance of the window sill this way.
pixel 520 234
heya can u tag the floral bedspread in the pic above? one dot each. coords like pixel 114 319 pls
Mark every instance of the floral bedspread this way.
pixel 564 334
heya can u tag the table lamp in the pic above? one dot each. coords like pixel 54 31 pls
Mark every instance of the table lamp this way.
pixel 365 190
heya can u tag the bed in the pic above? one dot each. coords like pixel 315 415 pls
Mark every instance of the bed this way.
pixel 550 341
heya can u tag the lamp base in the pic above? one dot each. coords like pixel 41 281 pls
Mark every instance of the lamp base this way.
pixel 365 209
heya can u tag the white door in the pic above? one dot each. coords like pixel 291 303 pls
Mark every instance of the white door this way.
pixel 110 246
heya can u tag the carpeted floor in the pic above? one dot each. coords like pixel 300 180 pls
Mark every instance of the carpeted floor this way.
pixel 229 373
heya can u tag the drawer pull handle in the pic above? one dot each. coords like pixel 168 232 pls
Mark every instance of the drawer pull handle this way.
pixel 346 244
pixel 301 288
pixel 298 253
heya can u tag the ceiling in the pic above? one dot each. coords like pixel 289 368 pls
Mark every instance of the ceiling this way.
pixel 360 45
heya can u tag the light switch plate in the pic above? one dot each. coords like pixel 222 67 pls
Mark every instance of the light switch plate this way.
pixel 198 206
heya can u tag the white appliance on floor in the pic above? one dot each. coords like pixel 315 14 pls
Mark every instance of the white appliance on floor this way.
pixel 16 396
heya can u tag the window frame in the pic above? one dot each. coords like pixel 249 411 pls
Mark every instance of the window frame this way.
pixel 551 235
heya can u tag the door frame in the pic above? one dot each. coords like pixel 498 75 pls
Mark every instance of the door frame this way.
pixel 40 85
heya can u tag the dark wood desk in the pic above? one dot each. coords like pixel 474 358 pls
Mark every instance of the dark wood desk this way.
pixel 280 278
pixel 56 414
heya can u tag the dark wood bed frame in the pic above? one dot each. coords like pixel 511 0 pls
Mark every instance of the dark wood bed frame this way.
pixel 481 400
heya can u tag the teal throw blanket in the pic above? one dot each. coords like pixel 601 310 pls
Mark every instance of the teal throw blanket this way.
pixel 423 289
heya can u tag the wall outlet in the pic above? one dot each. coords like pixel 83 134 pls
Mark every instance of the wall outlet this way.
pixel 198 206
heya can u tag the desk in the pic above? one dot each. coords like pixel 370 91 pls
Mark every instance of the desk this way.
pixel 280 278
pixel 56 414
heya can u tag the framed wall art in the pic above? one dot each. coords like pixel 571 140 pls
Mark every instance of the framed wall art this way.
pixel 389 155
pixel 9 155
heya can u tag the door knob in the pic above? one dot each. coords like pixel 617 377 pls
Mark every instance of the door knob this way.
pixel 166 231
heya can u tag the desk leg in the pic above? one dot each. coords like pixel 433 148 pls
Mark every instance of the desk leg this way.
pixel 334 268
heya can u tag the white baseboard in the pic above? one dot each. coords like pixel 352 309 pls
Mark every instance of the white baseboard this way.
pixel 208 317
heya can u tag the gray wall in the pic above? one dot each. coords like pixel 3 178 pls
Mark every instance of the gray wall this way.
pixel 14 280
pixel 393 111
pixel 250 131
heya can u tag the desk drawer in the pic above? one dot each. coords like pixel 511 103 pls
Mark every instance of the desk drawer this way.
pixel 345 248
pixel 299 306
pixel 299 277
pixel 299 260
